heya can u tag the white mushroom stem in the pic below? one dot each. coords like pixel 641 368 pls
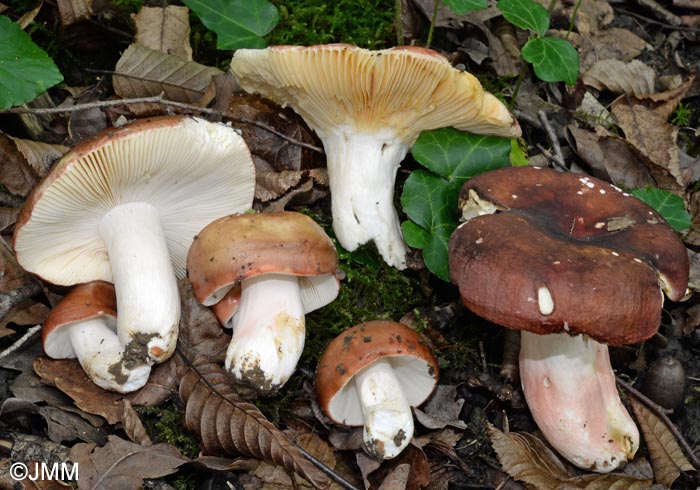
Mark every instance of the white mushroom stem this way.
pixel 144 280
pixel 100 353
pixel 362 169
pixel 388 420
pixel 268 332
pixel 570 389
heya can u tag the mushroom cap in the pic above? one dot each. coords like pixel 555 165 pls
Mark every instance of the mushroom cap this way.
pixel 87 301
pixel 407 88
pixel 238 247
pixel 564 252
pixel 191 170
pixel 360 346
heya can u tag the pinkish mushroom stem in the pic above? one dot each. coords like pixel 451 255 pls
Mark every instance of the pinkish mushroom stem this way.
pixel 268 331
pixel 570 388
pixel 99 351
pixel 144 280
pixel 388 420
pixel 362 169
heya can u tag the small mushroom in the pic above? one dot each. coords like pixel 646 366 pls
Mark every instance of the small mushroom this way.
pixel 576 264
pixel 284 266
pixel 368 108
pixel 83 325
pixel 371 375
pixel 124 207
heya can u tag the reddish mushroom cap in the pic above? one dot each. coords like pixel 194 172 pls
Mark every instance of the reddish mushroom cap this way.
pixel 85 301
pixel 234 248
pixel 357 348
pixel 596 255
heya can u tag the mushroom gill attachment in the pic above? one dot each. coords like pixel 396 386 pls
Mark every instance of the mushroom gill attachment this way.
pixel 262 273
pixel 371 375
pixel 576 264
pixel 368 108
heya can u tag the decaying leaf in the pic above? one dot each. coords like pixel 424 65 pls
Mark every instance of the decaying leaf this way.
pixel 122 464
pixel 441 409
pixel 164 29
pixel 633 78
pixel 34 468
pixel 272 185
pixel 666 455
pixel 526 458
pixel 74 10
pixel 225 423
pixel 418 471
pixel 131 422
pixel 39 155
pixel 142 72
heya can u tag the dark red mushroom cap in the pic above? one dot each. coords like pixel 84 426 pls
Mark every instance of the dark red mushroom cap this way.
pixel 564 252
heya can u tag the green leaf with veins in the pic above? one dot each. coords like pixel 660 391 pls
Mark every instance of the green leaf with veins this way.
pixel 429 197
pixel 526 14
pixel 554 59
pixel 670 206
pixel 237 23
pixel 460 7
pixel 25 69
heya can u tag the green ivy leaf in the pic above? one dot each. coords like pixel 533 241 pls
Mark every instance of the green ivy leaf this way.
pixel 554 59
pixel 526 14
pixel 518 158
pixel 237 23
pixel 25 69
pixel 667 204
pixel 460 7
pixel 429 198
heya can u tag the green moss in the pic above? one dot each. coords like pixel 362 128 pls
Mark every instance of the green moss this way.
pixel 365 23
pixel 166 423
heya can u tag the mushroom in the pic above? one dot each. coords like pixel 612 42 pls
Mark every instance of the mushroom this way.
pixel 575 263
pixel 83 325
pixel 371 375
pixel 124 207
pixel 285 265
pixel 368 108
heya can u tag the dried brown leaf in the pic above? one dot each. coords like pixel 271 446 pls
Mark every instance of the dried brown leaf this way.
pixel 74 10
pixel 633 78
pixel 526 458
pixel 13 275
pixel 164 29
pixel 228 424
pixel 142 72
pixel 442 409
pixel 161 385
pixel 666 455
pixel 271 185
pixel 418 475
pixel 123 465
pixel 131 422
pixel 26 19
pixel 8 482
pixel 69 377
pixel 201 339
pixel 612 43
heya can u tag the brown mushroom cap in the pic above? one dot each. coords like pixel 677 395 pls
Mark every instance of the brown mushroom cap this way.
pixel 360 346
pixel 407 88
pixel 234 248
pixel 601 254
pixel 83 302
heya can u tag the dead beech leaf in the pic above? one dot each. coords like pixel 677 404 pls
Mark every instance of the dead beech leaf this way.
pixel 161 385
pixel 666 455
pixel 13 275
pixel 164 29
pixel 225 423
pixel 69 377
pixel 526 458
pixel 74 10
pixel 143 72
pixel 122 464
pixel 441 409
pixel 418 473
pixel 39 155
pixel 131 422
pixel 633 78
pixel 7 481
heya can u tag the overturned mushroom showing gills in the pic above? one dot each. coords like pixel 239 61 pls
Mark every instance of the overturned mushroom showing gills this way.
pixel 269 269
pixel 124 207
pixel 368 108
pixel 575 263
pixel 371 375
pixel 83 325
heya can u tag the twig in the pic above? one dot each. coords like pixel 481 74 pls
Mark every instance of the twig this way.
pixel 156 99
pixel 659 12
pixel 560 165
pixel 661 413
pixel 656 22
pixel 552 137
pixel 20 342
pixel 12 298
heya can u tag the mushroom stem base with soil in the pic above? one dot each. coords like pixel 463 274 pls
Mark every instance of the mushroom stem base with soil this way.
pixel 100 353
pixel 268 332
pixel 144 280
pixel 570 389
pixel 388 420
pixel 362 169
